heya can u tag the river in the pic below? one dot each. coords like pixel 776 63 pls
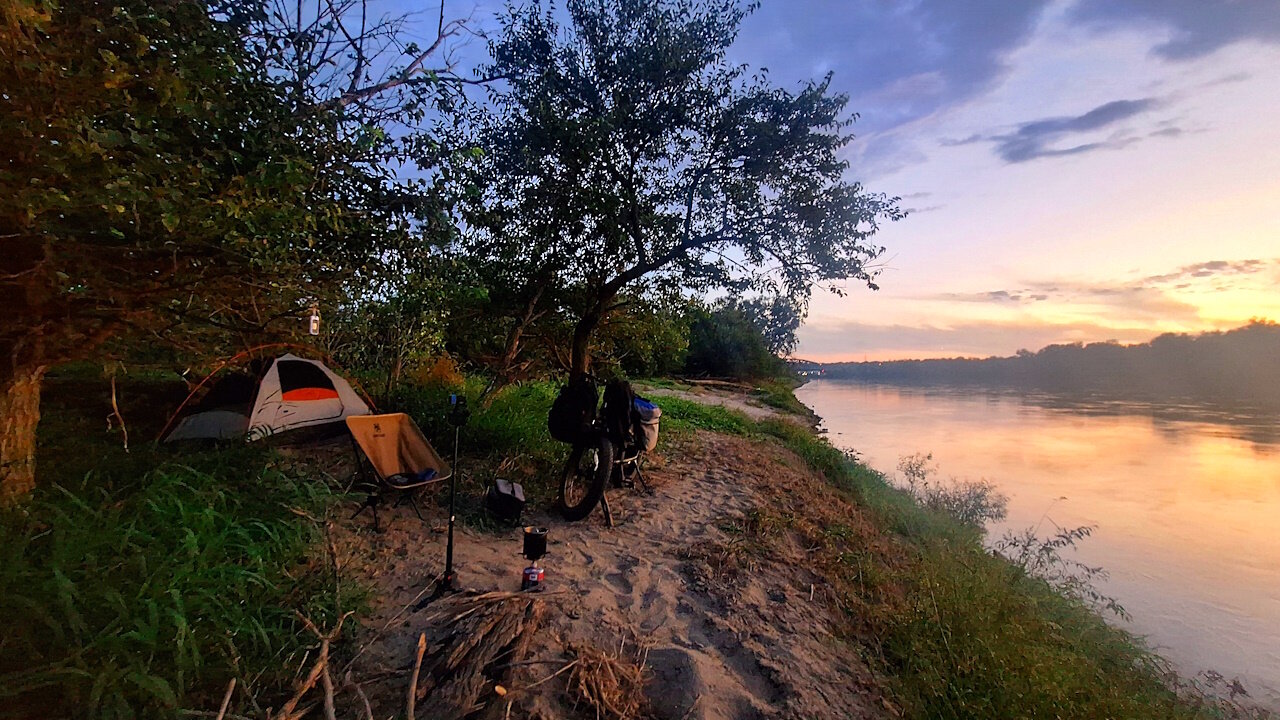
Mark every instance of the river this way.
pixel 1185 497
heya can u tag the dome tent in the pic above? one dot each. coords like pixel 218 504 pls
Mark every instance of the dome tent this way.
pixel 293 393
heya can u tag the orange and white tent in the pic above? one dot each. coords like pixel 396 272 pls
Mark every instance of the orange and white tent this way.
pixel 294 393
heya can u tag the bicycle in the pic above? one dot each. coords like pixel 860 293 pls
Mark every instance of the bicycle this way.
pixel 606 451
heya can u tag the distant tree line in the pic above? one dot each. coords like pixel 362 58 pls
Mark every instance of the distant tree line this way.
pixel 1240 365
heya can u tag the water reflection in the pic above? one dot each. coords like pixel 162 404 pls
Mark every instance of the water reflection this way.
pixel 1257 425
pixel 1186 498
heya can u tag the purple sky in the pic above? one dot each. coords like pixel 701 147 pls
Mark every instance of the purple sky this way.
pixel 1077 169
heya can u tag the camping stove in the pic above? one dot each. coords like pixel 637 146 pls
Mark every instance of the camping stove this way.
pixel 535 546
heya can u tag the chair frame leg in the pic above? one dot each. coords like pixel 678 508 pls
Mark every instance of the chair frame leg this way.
pixel 413 502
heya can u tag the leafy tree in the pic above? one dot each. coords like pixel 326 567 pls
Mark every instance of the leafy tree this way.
pixel 390 335
pixel 724 342
pixel 778 319
pixel 625 152
pixel 160 186
pixel 647 336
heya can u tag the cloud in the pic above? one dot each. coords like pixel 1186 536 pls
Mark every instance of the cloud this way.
pixel 996 296
pixel 850 340
pixel 1198 27
pixel 1042 312
pixel 899 62
pixel 1214 268
pixel 1228 79
pixel 1036 139
pixel 1144 298
pixel 1133 302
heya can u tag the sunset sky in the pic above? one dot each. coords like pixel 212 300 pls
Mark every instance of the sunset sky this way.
pixel 1076 170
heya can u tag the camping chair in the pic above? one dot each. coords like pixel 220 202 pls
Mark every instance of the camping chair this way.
pixel 399 455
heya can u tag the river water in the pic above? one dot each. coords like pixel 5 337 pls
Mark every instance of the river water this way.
pixel 1185 497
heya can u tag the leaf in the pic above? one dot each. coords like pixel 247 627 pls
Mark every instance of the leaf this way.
pixel 170 221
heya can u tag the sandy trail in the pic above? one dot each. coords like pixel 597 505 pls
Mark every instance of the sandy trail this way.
pixel 706 395
pixel 754 646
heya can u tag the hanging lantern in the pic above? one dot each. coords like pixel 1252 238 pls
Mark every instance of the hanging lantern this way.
pixel 314 326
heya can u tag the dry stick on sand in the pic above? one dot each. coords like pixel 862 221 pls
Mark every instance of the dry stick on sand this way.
pixel 211 714
pixel 226 699
pixel 115 408
pixel 327 680
pixel 467 635
pixel 349 682
pixel 413 679
pixel 319 670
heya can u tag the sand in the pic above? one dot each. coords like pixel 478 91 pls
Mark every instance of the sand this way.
pixel 725 628
pixel 707 393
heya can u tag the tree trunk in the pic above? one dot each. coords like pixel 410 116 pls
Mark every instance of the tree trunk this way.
pixel 19 415
pixel 580 360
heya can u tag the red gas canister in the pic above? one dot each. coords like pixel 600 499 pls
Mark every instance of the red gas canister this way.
pixel 532 578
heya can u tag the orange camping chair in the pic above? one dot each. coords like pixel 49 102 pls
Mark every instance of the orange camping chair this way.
pixel 399 456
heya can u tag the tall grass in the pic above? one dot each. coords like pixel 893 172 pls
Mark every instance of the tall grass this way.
pixel 130 597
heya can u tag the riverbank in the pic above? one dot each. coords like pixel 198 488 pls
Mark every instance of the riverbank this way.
pixel 768 575
pixel 1171 500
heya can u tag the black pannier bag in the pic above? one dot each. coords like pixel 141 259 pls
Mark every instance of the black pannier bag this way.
pixel 616 410
pixel 505 501
pixel 573 411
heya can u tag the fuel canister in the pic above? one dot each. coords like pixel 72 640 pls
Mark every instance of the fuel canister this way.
pixel 532 578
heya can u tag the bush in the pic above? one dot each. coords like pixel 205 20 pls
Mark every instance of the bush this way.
pixel 968 502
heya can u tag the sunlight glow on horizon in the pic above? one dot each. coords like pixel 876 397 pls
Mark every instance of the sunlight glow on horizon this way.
pixel 1158 234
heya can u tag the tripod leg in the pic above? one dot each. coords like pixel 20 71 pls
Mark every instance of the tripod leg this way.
pixel 604 506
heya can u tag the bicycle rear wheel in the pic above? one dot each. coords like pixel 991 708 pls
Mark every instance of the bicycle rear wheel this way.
pixel 584 476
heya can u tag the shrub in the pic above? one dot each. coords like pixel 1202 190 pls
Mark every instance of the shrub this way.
pixel 969 502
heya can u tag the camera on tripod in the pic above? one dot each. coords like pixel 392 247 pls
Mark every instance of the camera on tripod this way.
pixel 459 413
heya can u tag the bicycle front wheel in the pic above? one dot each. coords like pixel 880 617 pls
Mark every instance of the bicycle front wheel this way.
pixel 584 476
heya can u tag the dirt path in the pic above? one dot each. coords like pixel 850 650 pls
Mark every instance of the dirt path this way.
pixel 730 632
pixel 734 400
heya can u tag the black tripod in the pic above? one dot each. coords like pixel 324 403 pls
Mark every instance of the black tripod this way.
pixel 458 416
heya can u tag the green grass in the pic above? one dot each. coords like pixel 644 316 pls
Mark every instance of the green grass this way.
pixel 136 583
pixel 780 394
pixel 681 417
pixel 136 597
